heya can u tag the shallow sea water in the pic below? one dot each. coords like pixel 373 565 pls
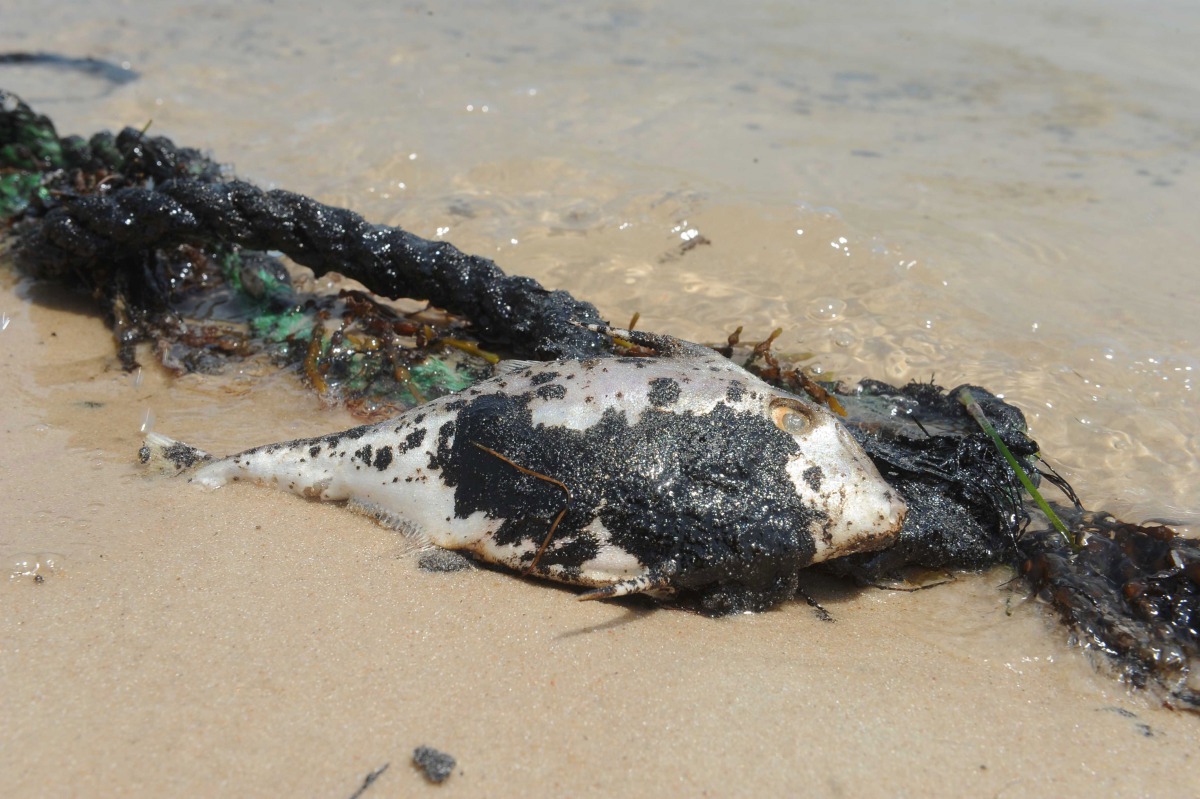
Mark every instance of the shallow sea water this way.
pixel 995 194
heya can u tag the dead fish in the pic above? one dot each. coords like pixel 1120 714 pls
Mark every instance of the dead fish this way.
pixel 678 474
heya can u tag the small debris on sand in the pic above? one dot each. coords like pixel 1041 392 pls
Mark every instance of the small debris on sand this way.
pixel 436 766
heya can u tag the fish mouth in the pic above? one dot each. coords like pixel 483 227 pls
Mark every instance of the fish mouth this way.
pixel 881 537
pixel 891 521
pixel 872 534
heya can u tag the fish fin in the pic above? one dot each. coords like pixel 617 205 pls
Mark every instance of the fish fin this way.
pixel 643 584
pixel 509 367
pixel 416 537
pixel 659 342
pixel 168 456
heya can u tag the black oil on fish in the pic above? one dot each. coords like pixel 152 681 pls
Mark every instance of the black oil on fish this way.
pixel 677 475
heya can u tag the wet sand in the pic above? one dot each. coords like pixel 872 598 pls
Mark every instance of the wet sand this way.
pixel 1000 198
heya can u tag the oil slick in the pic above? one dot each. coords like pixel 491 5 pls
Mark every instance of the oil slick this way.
pixel 676 475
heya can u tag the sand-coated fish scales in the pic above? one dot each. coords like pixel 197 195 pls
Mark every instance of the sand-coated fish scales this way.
pixel 679 473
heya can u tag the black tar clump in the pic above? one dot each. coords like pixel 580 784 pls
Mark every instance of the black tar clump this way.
pixel 1131 592
pixel 965 504
pixel 436 766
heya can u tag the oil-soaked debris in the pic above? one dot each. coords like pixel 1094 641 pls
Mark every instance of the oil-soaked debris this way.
pixel 98 215
pixel 180 255
pixel 965 506
pixel 104 214
pixel 436 766
pixel 1131 592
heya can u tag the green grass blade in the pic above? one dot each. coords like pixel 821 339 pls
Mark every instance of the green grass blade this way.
pixel 968 399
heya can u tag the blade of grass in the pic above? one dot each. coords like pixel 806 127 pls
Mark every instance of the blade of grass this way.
pixel 972 405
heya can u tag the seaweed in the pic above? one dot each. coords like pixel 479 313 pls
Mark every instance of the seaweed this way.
pixel 98 215
pixel 1131 592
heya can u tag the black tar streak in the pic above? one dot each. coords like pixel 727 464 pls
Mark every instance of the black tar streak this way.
pixel 708 492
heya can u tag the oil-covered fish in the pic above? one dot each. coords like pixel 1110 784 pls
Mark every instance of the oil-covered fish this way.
pixel 681 473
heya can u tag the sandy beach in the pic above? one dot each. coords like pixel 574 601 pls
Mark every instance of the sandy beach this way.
pixel 985 195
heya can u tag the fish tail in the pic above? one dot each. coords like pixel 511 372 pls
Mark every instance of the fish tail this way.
pixel 296 466
pixel 168 456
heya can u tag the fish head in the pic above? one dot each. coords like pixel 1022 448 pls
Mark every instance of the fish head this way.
pixel 856 509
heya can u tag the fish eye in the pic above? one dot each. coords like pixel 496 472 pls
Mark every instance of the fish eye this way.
pixel 790 420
